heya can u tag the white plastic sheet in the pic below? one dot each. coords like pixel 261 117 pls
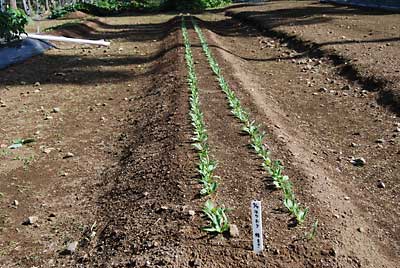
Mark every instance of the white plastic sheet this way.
pixel 101 42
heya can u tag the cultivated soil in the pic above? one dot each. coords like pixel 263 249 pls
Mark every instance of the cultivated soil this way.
pixel 112 167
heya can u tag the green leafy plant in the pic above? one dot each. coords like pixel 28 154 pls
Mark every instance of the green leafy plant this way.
pixel 4 152
pixel 12 24
pixel 20 142
pixel 209 187
pixel 313 233
pixel 62 11
pixel 216 215
pixel 206 166
pixel 25 160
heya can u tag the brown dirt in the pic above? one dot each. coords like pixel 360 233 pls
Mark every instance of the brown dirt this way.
pixel 363 43
pixel 318 129
pixel 76 15
pixel 132 179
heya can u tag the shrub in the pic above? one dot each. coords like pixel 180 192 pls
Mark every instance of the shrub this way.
pixel 195 5
pixel 12 24
pixel 112 7
pixel 60 12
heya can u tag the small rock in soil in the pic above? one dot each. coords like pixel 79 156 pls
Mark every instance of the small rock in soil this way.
pixel 15 203
pixel 328 252
pixel 68 155
pixel 48 150
pixel 233 231
pixel 380 141
pixel 48 118
pixel 31 220
pixel 358 162
pixel 56 110
pixel 195 263
pixel 162 209
pixel 191 212
pixel 71 247
pixel 346 87
pixel 381 184
pixel 361 229
pixel 37 84
pixel 373 105
pixel 323 89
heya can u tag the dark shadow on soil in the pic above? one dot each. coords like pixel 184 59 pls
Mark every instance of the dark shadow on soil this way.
pixel 78 68
pixel 388 94
pixel 231 27
pixel 311 14
pixel 243 24
pixel 97 29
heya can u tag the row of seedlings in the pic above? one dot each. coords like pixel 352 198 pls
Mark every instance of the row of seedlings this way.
pixel 219 222
pixel 274 168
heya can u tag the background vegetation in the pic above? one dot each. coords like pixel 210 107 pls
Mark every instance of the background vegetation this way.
pixel 14 20
pixel 12 24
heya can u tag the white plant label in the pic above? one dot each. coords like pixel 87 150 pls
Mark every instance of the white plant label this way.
pixel 256 216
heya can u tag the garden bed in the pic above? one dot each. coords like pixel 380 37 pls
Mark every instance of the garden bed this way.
pixel 113 166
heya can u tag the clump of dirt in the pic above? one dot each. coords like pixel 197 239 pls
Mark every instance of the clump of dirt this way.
pixel 74 30
pixel 76 15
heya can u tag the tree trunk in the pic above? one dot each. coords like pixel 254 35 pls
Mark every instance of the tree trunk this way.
pixel 26 7
pixel 13 4
pixel 29 5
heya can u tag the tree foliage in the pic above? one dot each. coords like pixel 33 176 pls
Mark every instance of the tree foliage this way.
pixel 12 24
pixel 196 5
pixel 110 7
